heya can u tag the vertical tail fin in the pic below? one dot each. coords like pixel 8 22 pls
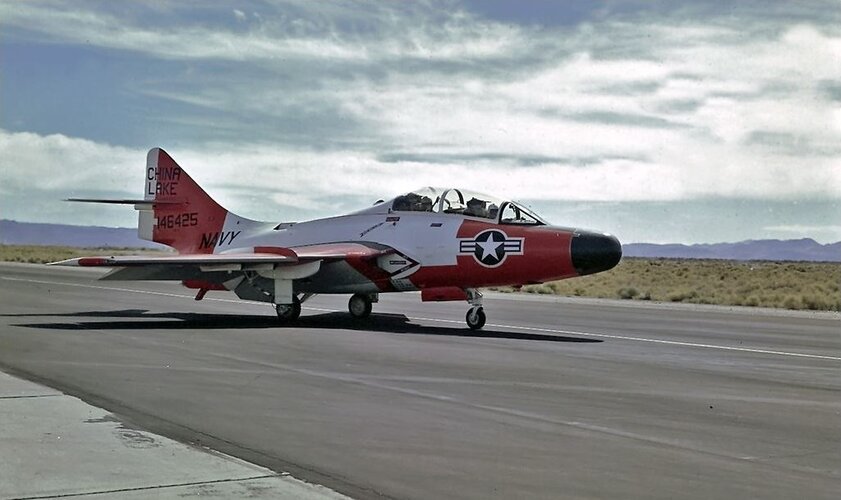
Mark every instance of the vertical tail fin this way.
pixel 180 214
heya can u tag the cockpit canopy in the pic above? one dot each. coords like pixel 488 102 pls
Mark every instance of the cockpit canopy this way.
pixel 464 202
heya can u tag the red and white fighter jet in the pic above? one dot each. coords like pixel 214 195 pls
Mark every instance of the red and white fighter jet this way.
pixel 447 243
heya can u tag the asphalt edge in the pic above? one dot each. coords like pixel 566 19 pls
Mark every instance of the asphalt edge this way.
pixel 131 419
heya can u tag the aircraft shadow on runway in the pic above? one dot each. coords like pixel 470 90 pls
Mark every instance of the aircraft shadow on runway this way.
pixel 141 319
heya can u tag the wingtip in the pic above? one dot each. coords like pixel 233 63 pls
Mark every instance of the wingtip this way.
pixel 83 262
pixel 65 262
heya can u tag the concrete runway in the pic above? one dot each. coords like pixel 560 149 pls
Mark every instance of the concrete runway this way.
pixel 554 399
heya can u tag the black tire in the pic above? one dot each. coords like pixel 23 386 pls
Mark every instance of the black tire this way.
pixel 289 312
pixel 477 320
pixel 359 306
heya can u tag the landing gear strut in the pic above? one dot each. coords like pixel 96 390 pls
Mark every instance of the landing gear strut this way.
pixel 289 312
pixel 360 306
pixel 476 314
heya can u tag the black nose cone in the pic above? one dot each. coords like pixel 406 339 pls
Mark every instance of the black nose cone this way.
pixel 594 252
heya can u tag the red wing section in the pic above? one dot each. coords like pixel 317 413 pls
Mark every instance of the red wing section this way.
pixel 368 259
pixel 382 265
pixel 181 260
pixel 340 251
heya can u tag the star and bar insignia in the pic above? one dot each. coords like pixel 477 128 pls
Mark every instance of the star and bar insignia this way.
pixel 491 247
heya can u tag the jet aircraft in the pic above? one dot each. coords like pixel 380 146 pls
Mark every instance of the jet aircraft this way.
pixel 445 242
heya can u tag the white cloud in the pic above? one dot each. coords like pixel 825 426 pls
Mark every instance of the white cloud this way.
pixel 56 163
pixel 38 172
pixel 646 110
pixel 397 34
pixel 259 180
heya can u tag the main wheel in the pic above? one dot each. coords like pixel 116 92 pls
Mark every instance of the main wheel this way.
pixel 475 318
pixel 289 312
pixel 359 306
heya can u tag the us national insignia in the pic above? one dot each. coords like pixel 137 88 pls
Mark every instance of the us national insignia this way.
pixel 491 247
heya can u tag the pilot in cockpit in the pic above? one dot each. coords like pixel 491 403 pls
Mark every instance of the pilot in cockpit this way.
pixel 476 208
pixel 412 202
pixel 425 204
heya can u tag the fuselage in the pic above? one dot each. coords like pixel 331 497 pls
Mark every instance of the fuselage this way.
pixel 432 250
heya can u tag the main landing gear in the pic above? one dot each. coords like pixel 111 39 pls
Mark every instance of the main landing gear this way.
pixel 476 314
pixel 360 304
pixel 287 313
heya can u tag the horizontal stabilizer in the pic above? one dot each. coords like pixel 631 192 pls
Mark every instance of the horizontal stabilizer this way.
pixel 125 202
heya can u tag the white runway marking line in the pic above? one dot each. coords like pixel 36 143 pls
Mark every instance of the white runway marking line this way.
pixel 513 327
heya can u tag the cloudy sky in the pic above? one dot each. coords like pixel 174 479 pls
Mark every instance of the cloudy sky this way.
pixel 659 121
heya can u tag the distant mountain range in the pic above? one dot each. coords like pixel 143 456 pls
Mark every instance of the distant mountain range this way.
pixel 27 233
pixel 805 249
pixel 30 233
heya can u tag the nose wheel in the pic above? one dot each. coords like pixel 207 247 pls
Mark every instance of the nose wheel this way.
pixel 289 312
pixel 475 317
pixel 476 314
pixel 360 305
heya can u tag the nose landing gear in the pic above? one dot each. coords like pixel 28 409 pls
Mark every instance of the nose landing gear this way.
pixel 476 314
pixel 475 317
